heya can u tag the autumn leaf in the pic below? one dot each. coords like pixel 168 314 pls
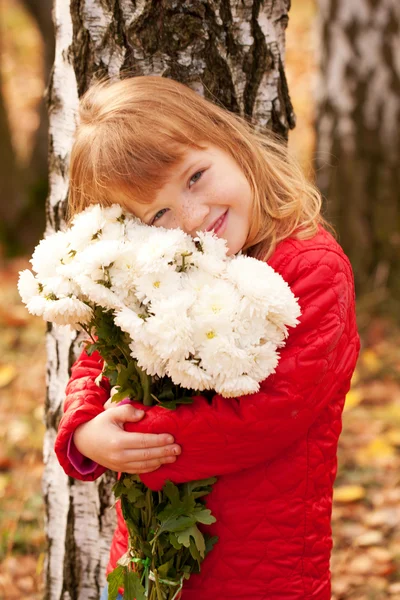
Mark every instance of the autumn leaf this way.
pixel 7 374
pixel 348 493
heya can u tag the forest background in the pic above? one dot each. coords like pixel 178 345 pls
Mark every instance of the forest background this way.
pixel 366 513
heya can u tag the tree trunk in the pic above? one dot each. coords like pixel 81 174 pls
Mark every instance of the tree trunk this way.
pixel 358 136
pixel 232 51
pixel 11 193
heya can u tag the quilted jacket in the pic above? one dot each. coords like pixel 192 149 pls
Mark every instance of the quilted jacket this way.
pixel 274 452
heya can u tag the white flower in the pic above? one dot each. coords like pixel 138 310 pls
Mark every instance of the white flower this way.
pixel 216 302
pixel 212 259
pixel 130 322
pixel 67 311
pixel 189 375
pixel 28 286
pixel 220 354
pixel 262 361
pixel 254 326
pixel 207 320
pixel 95 224
pixel 212 245
pixel 162 246
pixel 50 253
pixel 60 286
pixel 157 286
pixel 208 263
pixel 98 293
pixel 170 334
pixel 236 387
pixel 196 280
pixel 123 270
pixel 94 260
pixel 37 305
pixel 263 288
pixel 148 359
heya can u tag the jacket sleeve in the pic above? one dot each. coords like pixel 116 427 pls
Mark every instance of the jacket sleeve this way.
pixel 84 401
pixel 230 434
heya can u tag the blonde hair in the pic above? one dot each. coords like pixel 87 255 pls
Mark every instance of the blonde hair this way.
pixel 133 132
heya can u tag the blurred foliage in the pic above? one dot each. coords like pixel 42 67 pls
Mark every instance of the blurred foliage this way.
pixel 22 390
pixel 366 513
pixel 26 51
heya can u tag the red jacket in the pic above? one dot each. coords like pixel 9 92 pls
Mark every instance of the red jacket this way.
pixel 274 452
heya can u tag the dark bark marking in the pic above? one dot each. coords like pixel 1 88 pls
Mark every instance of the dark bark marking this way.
pixel 259 60
pixel 72 564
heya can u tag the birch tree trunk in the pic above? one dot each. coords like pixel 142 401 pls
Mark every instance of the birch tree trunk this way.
pixel 229 50
pixel 358 135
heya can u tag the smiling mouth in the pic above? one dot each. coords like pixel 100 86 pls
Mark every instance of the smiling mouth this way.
pixel 218 224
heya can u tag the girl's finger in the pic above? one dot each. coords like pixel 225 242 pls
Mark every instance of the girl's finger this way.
pixel 151 454
pixel 147 466
pixel 147 440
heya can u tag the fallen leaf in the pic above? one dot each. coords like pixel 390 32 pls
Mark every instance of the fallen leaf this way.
pixel 370 538
pixel 371 361
pixel 393 437
pixel 353 399
pixel 7 374
pixel 379 448
pixel 361 564
pixel 348 493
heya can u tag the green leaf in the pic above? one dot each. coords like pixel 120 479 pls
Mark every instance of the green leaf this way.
pixel 118 489
pixel 172 493
pixel 115 580
pixel 204 516
pixel 184 538
pixel 175 522
pixel 133 589
pixel 174 541
pixel 200 483
pixel 134 494
pixel 125 393
pixel 210 543
pixel 185 400
pixel 90 348
pixel 164 569
pixel 194 551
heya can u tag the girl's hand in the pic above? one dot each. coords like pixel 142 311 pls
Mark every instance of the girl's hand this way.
pixel 104 440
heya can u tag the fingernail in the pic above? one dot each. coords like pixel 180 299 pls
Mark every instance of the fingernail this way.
pixel 170 440
pixel 140 413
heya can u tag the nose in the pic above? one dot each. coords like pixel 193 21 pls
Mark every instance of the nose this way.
pixel 193 216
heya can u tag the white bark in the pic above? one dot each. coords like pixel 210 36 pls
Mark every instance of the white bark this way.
pixel 94 38
pixel 358 135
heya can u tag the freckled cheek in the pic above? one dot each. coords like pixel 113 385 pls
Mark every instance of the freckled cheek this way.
pixel 174 222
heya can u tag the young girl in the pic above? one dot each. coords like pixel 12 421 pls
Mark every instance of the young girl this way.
pixel 176 160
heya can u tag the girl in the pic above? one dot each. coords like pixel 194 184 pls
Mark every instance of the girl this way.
pixel 175 159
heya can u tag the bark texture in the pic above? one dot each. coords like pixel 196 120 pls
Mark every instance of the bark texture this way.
pixel 231 51
pixel 358 136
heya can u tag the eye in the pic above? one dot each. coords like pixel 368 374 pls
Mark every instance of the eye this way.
pixel 158 215
pixel 195 178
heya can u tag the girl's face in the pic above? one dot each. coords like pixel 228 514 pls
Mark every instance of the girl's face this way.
pixel 207 191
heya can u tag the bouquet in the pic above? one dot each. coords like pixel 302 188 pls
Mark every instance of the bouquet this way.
pixel 171 316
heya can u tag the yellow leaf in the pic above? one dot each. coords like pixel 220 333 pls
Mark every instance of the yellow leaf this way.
pixel 4 479
pixel 353 399
pixel 355 379
pixel 389 413
pixel 7 374
pixel 379 448
pixel 371 360
pixel 393 437
pixel 348 493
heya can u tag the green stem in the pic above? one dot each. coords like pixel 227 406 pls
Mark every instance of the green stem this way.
pixel 145 380
pixel 159 592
